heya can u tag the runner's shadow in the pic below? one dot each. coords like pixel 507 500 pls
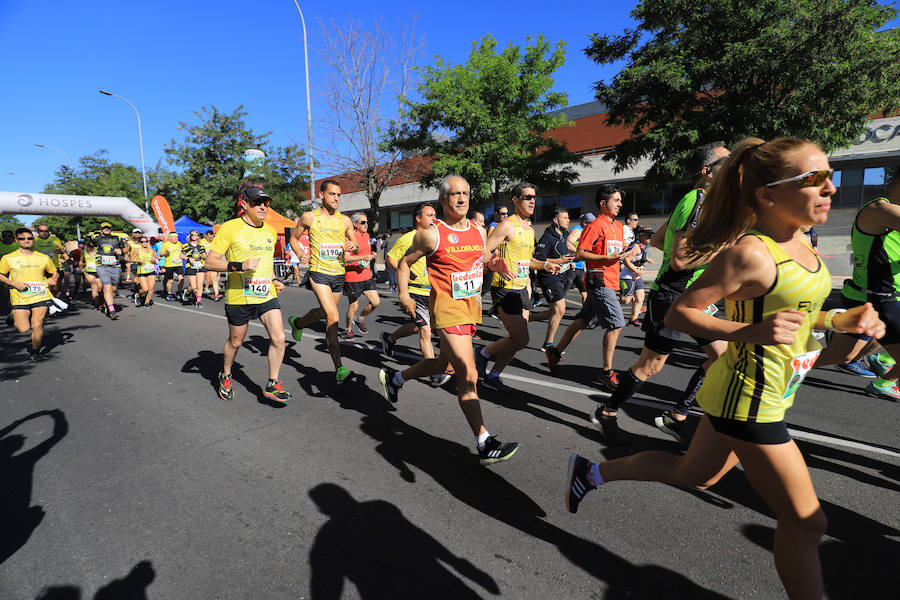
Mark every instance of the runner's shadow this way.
pixel 208 364
pixel 131 587
pixel 827 458
pixel 17 518
pixel 834 386
pixel 373 546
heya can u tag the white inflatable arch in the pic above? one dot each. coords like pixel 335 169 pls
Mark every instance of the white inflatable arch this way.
pixel 58 204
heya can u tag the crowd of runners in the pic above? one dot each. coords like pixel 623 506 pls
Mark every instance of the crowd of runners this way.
pixel 738 237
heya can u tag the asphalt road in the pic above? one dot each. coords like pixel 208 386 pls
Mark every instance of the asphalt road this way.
pixel 129 476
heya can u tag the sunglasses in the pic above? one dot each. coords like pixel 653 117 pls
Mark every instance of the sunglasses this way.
pixel 145 241
pixel 258 202
pixel 527 197
pixel 808 179
pixel 503 214
pixel 43 231
pixel 25 239
pixel 633 219
pixel 362 222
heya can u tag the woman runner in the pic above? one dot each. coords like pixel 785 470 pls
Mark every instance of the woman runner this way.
pixel 774 286
pixel 145 258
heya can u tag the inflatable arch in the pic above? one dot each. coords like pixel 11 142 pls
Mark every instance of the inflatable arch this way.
pixel 58 204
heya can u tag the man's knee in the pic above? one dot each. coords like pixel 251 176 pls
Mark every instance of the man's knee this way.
pixel 814 526
pixel 23 327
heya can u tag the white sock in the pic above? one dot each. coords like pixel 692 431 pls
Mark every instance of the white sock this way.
pixel 398 379
pixel 594 475
pixel 481 438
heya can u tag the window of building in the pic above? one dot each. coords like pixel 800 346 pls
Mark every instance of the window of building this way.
pixel 873 184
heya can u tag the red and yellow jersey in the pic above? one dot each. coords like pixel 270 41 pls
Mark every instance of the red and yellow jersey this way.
pixel 517 254
pixel 326 243
pixel 31 269
pixel 603 236
pixel 455 269
pixel 359 271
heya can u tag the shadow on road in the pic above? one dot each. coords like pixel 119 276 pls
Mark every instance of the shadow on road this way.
pixel 17 518
pixel 131 587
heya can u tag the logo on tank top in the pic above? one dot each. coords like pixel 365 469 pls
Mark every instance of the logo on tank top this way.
pixel 453 238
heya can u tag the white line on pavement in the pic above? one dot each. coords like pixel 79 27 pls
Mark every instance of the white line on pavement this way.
pixel 800 435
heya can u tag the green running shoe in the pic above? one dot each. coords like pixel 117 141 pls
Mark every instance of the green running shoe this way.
pixel 296 332
pixel 343 374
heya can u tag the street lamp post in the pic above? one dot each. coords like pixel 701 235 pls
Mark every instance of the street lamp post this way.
pixel 140 140
pixel 37 188
pixel 312 179
pixel 64 155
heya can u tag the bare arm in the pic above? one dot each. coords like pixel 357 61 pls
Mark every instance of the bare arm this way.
pixel 423 242
pixel 879 217
pixel 302 227
pixel 679 260
pixel 349 235
pixel 658 239
pixel 217 262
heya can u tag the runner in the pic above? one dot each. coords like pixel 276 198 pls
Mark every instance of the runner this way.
pixel 601 246
pixel 76 256
pixel 875 239
pixel 513 239
pixel 554 247
pixel 173 267
pixel 194 253
pixel 419 290
pixel 109 252
pixel 133 243
pixel 245 249
pixel 455 252
pixel 211 277
pixel 764 277
pixel 50 245
pixel 89 264
pixel 675 274
pixel 578 267
pixel 632 276
pixel 25 271
pixel 143 258
pixel 331 239
pixel 358 280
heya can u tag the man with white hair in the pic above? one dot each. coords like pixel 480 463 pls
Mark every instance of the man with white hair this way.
pixel 358 280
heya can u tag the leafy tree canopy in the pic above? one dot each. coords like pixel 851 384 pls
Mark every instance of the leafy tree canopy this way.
pixel 10 222
pixel 496 111
pixel 704 70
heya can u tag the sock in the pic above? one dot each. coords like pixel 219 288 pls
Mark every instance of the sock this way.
pixel 690 392
pixel 629 384
pixel 111 308
pixel 883 383
pixel 199 296
pixel 481 438
pixel 594 475
pixel 494 373
pixel 398 379
pixel 484 352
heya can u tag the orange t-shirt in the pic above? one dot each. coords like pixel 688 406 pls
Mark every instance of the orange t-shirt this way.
pixel 354 271
pixel 604 235
pixel 455 270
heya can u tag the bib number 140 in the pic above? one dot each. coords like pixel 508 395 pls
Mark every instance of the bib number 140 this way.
pixel 257 287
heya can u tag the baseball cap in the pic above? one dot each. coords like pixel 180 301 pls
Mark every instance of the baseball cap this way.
pixel 588 217
pixel 255 194
pixel 105 224
pixel 136 230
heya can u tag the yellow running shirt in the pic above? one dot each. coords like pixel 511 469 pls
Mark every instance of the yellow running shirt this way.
pixel 90 259
pixel 31 269
pixel 418 272
pixel 757 383
pixel 173 258
pixel 327 236
pixel 144 261
pixel 237 241
pixel 517 253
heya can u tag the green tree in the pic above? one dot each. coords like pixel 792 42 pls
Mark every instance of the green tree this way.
pixel 488 119
pixel 209 168
pixel 704 70
pixel 10 222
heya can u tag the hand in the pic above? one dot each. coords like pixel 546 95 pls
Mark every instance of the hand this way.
pixel 250 264
pixel 570 257
pixel 19 285
pixel 407 304
pixel 498 264
pixel 650 260
pixel 352 247
pixel 372 256
pixel 552 268
pixel 862 319
pixel 279 286
pixel 780 328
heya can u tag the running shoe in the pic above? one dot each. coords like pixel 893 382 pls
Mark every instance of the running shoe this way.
pixel 554 356
pixel 669 425
pixel 199 304
pixel 891 392
pixel 537 302
pixel 275 391
pixel 170 298
pixel 495 383
pixel 225 390
pixel 391 390
pixel 35 355
pixel 9 321
pixel 148 303
pixel 879 368
pixel 113 315
pixel 494 451
pixel 607 380
pixel 856 368
pixel 480 362
pixel 609 425
pixel 296 331
pixel 361 325
pixel 577 483
pixel 343 374
pixel 134 298
pixel 185 296
pixel 387 344
pixel 347 334
pixel 439 379
pixel 217 298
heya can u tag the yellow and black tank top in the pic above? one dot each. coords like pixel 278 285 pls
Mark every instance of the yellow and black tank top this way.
pixel 757 383
pixel 517 253
pixel 144 260
pixel 327 235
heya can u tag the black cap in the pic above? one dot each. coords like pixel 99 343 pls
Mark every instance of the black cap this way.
pixel 254 194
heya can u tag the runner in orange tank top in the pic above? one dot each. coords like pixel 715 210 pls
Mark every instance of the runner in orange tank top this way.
pixel 456 256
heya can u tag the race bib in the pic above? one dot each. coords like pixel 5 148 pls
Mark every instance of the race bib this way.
pixel 613 246
pixel 800 366
pixel 108 261
pixel 564 268
pixel 329 251
pixel 711 310
pixel 34 288
pixel 363 264
pixel 466 284
pixel 257 287
pixel 522 268
pixel 145 269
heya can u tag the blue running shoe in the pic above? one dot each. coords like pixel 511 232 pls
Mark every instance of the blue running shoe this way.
pixel 856 368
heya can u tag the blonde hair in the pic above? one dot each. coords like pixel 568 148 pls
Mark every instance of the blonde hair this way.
pixel 730 208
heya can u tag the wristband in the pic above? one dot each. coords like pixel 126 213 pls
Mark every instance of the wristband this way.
pixel 829 317
pixel 235 266
pixel 546 262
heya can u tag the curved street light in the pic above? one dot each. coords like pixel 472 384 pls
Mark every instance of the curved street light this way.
pixel 140 140
pixel 312 179
pixel 64 155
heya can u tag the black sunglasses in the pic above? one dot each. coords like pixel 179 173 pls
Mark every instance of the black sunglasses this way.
pixel 257 202
pixel 25 239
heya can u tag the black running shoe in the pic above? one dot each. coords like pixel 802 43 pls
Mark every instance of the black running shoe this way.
pixel 494 451
pixel 554 356
pixel 387 344
pixel 609 425
pixel 361 325
pixel 480 362
pixel 667 424
pixel 275 391
pixel 391 389
pixel 112 314
pixel 495 383
pixel 226 392
pixel 577 482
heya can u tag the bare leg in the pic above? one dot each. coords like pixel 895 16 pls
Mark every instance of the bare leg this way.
pixel 236 335
pixel 272 320
pixel 459 350
pixel 610 338
pixel 374 300
pixel 571 333
pixel 506 348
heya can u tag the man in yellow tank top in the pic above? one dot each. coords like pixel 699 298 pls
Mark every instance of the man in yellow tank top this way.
pixel 513 239
pixel 331 240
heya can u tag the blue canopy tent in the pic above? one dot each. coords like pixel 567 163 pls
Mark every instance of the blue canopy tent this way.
pixel 185 225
